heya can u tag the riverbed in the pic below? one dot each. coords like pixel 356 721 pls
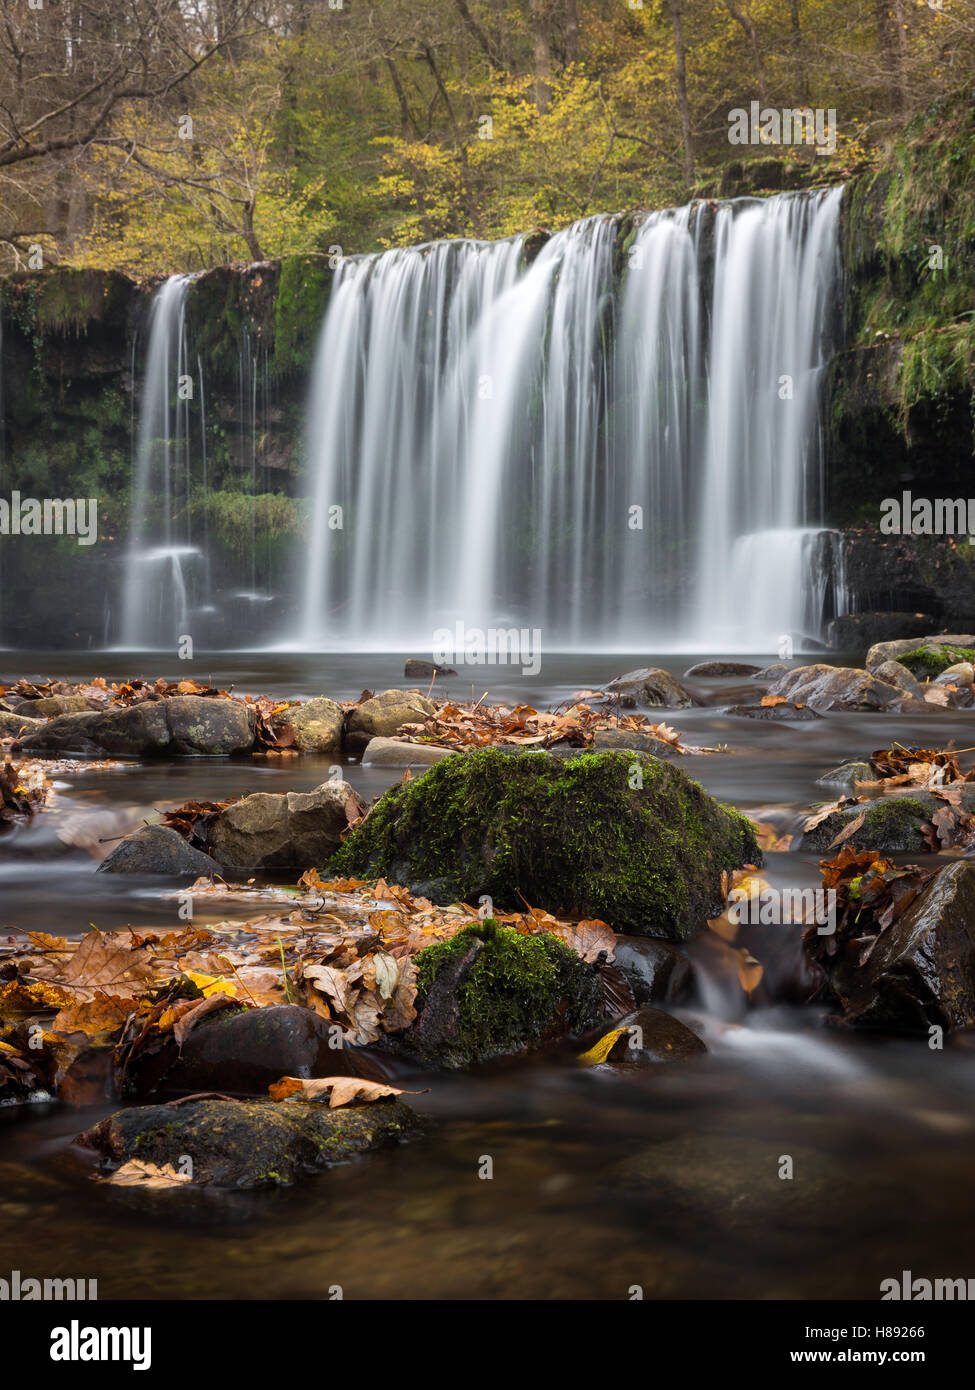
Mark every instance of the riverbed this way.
pixel 667 1181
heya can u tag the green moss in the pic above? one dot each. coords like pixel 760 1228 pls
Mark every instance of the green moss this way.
pixel 891 825
pixel 927 662
pixel 298 312
pixel 519 990
pixel 573 835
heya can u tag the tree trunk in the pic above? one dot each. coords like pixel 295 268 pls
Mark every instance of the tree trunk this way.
pixel 542 54
pixel 682 103
pixel 802 75
pixel 751 33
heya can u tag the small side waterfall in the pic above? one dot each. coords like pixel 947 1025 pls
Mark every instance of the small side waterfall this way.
pixel 154 588
pixel 499 443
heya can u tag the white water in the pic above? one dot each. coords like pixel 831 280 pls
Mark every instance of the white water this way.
pixel 154 588
pixel 501 444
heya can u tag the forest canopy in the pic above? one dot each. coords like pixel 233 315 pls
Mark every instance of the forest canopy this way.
pixel 160 135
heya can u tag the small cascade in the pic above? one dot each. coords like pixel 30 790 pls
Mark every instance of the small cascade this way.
pixel 160 554
pixel 775 264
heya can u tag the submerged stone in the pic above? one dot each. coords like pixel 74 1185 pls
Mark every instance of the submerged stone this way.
pixel 624 837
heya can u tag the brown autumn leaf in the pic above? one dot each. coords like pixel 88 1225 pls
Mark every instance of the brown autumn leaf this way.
pixel 186 1022
pixel 848 831
pixel 136 1173
pixel 589 939
pixel 769 701
pixel 93 1016
pixel 338 1090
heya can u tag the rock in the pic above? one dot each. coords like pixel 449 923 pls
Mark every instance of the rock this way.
pixel 384 715
pixel 962 673
pixel 837 688
pixel 52 705
pixel 183 724
pixel 606 740
pixel 893 673
pixel 490 991
pixel 244 1052
pixel 721 668
pixel 847 775
pixel 248 1143
pixel 773 672
pixel 654 1036
pixel 199 724
pixel 852 632
pixel 396 752
pixel 891 825
pixel 15 725
pixel 286 830
pixel 318 725
pixel 158 849
pixel 425 670
pixel 655 970
pixel 650 685
pixel 894 650
pixel 573 834
pixel 786 713
pixel 922 969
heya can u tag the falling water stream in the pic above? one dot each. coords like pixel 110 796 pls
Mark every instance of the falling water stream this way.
pixel 497 439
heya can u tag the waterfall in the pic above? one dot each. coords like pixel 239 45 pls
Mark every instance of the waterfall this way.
pixel 627 463
pixel 775 264
pixel 159 553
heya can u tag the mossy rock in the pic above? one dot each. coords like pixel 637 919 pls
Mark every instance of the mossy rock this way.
pixel 249 1143
pixel 927 662
pixel 891 824
pixel 491 991
pixel 573 835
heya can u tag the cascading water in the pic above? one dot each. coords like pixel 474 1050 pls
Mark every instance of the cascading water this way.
pixel 498 443
pixel 775 265
pixel 154 588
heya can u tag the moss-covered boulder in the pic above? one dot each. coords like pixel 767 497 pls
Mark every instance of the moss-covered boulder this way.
pixel 620 836
pixel 491 991
pixel 891 824
pixel 248 1143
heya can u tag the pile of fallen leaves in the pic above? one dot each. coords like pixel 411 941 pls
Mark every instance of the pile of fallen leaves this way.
pixel 898 770
pixel 476 725
pixel 343 948
pixel 871 893
pixel 24 790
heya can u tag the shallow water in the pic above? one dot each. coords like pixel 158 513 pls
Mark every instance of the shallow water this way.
pixel 667 1179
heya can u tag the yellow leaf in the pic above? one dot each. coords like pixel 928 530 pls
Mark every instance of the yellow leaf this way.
pixel 603 1047
pixel 211 984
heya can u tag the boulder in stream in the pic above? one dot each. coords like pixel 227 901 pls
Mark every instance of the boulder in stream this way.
pixel 383 715
pixel 158 849
pixel 184 724
pixel 490 991
pixel 624 837
pixel 248 1143
pixel 317 725
pixel 649 686
pixel 921 971
pixel 282 830
pixel 823 688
